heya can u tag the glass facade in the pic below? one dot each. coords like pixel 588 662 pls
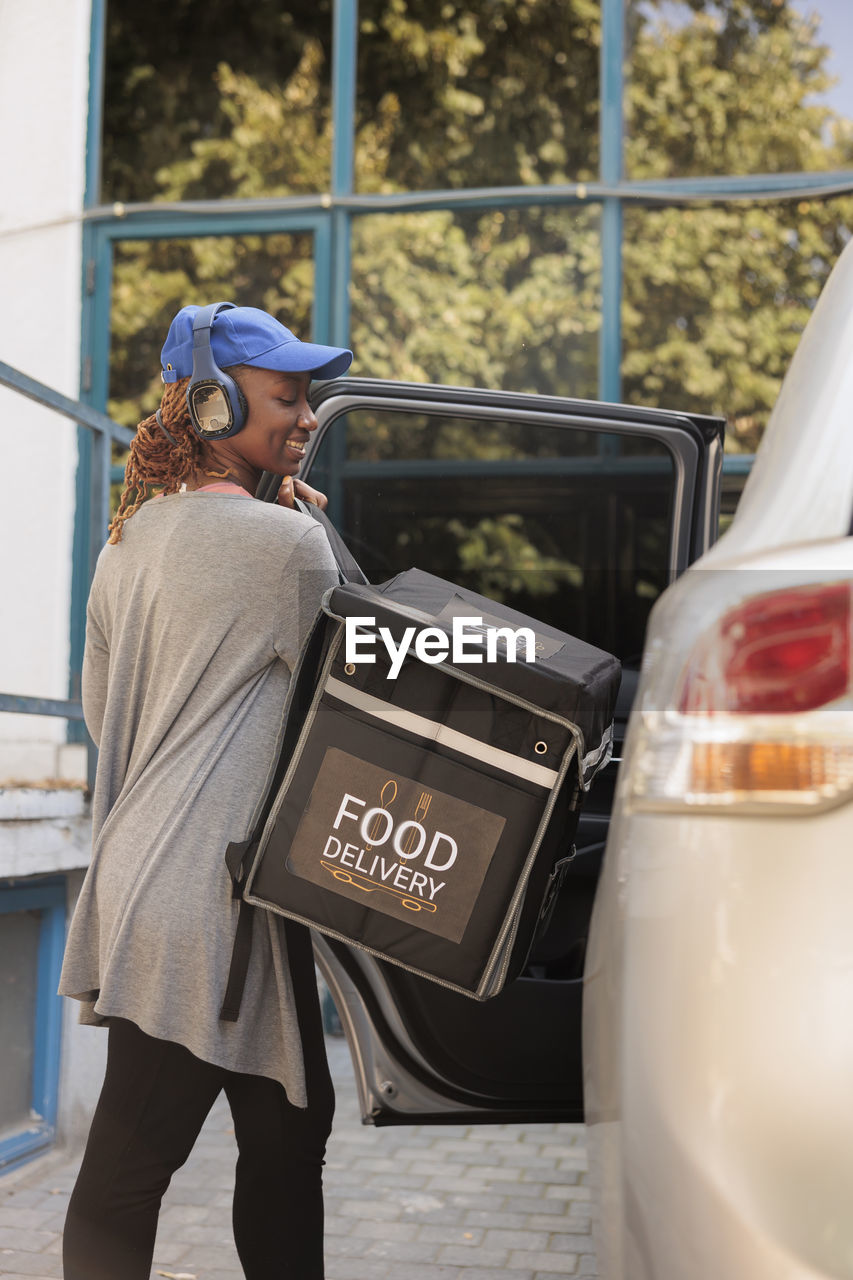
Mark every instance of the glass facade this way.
pixel 32 939
pixel 447 99
pixel 631 200
pixel 716 299
pixel 19 939
pixel 499 298
pixel 206 99
pixel 423 136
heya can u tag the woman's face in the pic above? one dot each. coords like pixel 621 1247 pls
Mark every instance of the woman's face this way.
pixel 279 423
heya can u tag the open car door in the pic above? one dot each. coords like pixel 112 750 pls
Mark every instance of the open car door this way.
pixel 574 512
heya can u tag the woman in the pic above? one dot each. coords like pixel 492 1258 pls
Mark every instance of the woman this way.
pixel 200 603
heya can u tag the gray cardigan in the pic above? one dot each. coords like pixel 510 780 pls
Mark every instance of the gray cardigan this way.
pixel 194 625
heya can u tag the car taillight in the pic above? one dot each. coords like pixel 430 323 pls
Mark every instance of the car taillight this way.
pixel 784 652
pixel 763 714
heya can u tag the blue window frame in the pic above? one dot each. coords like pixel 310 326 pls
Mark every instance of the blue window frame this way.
pixel 37 1130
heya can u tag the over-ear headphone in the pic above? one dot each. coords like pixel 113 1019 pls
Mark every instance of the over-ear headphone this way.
pixel 217 406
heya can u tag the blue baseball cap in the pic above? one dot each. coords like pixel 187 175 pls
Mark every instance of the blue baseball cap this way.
pixel 246 335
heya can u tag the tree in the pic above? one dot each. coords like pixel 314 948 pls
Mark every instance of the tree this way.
pixel 716 297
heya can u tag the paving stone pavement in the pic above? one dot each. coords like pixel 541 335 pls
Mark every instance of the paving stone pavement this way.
pixel 437 1202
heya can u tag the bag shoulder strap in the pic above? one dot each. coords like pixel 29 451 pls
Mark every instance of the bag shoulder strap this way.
pixel 348 568
pixel 240 855
pixel 238 859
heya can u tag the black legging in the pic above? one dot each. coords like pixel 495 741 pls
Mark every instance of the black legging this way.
pixel 155 1098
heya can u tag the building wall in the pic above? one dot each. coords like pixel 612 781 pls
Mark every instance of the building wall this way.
pixel 44 832
pixel 84 1053
pixel 44 70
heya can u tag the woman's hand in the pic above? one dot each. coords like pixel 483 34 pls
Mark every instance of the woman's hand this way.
pixel 291 487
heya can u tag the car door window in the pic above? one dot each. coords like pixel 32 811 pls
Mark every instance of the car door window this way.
pixel 570 525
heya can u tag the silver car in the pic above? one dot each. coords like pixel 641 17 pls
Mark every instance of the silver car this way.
pixel 700 1017
pixel 718 1026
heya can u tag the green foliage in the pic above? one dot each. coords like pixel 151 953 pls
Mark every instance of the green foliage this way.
pixel 498 93
pixel 507 562
pixel 709 99
pixel 163 93
pixel 501 299
pixel 706 326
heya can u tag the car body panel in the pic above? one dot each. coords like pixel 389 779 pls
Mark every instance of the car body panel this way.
pixel 719 1048
pixel 800 488
pixel 718 999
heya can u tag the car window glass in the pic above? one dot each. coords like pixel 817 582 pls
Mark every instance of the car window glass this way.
pixel 569 525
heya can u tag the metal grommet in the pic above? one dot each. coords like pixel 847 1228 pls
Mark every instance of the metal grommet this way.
pixel 541 748
pixel 350 669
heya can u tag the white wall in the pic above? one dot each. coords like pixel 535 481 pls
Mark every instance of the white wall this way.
pixel 84 1056
pixel 44 68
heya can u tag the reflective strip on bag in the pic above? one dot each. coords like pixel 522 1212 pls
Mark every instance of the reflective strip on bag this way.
pixel 409 721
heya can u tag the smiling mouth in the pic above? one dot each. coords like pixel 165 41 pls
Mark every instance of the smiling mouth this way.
pixel 298 446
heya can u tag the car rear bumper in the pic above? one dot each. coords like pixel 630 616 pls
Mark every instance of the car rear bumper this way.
pixel 719 1047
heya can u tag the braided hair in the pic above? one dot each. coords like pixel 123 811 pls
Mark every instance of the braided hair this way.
pixel 158 464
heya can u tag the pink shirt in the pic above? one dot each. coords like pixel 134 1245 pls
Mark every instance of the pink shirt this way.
pixel 224 486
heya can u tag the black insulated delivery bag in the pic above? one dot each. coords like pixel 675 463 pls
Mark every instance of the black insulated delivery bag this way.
pixel 427 815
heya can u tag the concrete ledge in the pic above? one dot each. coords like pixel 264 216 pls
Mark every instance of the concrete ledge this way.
pixel 17 803
pixel 43 831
